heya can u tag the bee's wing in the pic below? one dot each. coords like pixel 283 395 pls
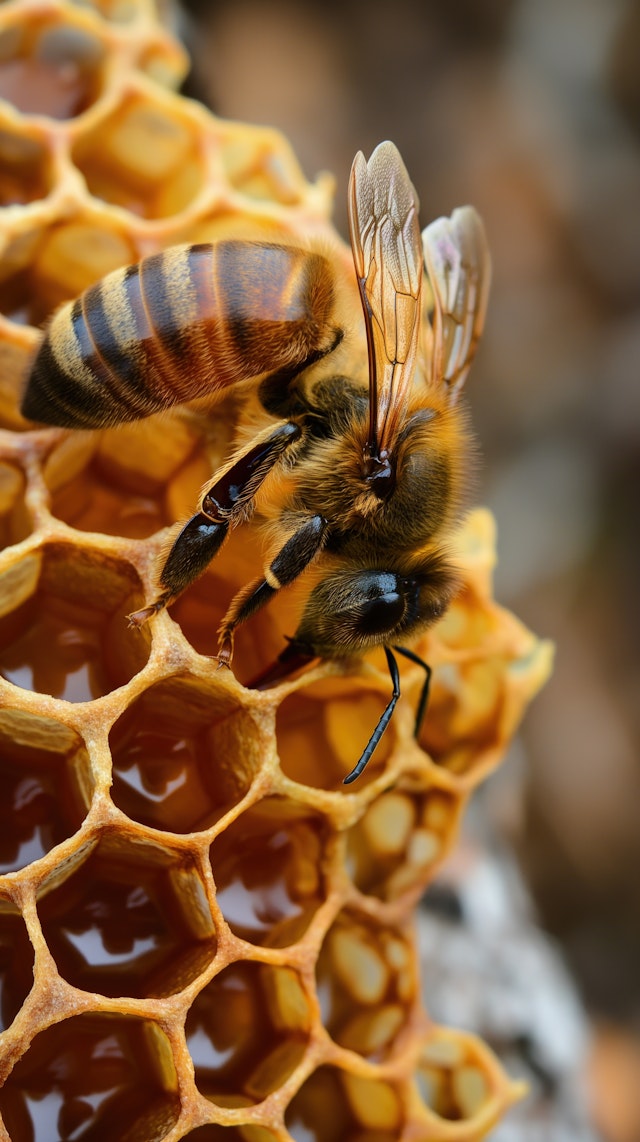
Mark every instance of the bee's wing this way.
pixel 387 252
pixel 459 268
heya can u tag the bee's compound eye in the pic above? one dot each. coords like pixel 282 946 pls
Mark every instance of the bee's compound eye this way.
pixel 353 611
pixel 381 606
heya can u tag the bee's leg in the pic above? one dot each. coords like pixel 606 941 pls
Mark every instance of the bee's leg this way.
pixel 223 504
pixel 297 553
pixel 194 548
pixel 424 695
pixel 384 719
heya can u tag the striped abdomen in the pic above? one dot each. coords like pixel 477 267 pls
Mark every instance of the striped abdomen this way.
pixel 178 325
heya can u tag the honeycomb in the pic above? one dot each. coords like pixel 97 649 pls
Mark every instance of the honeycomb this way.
pixel 204 934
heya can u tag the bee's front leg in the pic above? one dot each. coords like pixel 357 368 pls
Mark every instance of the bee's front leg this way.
pixel 224 503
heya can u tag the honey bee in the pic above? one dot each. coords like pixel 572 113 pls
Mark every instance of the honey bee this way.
pixel 362 481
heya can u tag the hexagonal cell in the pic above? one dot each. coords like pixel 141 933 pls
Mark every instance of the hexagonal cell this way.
pixel 146 157
pixel 95 1078
pixel 25 167
pixel 39 270
pixel 49 67
pixel 469 623
pixel 132 919
pixel 464 719
pixel 218 225
pixel 200 610
pixel 451 1077
pixel 247 1031
pixel 400 840
pixel 130 481
pixel 64 630
pixel 268 869
pixel 366 985
pixel 336 1106
pixel 18 257
pixel 259 166
pixel 215 1133
pixel 17 346
pixel 322 730
pixel 15 522
pixel 177 757
pixel 16 963
pixel 45 776
pixel 116 11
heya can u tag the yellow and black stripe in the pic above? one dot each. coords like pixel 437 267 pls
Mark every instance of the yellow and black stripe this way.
pixel 178 325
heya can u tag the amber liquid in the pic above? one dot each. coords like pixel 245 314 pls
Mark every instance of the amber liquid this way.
pixel 169 772
pixel 16 967
pixel 91 1077
pixel 114 927
pixel 92 503
pixel 59 89
pixel 38 810
pixel 230 1033
pixel 69 650
pixel 266 866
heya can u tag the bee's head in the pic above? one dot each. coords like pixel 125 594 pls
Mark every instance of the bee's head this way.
pixel 351 611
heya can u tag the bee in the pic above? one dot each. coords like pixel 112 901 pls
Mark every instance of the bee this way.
pixel 361 480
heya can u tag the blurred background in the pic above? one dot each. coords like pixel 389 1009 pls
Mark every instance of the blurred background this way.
pixel 530 109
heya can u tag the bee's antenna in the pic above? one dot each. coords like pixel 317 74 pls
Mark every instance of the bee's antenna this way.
pixel 384 719
pixel 424 696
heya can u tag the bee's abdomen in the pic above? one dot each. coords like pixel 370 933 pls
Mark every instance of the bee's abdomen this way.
pixel 176 326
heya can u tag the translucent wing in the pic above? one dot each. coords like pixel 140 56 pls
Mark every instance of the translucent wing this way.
pixel 387 252
pixel 459 268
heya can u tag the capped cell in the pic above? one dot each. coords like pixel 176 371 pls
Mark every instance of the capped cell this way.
pixel 63 630
pixel 465 721
pixel 366 985
pixel 470 623
pixel 131 920
pixel 360 1109
pixel 116 11
pixel 146 156
pixel 45 266
pixel 452 1077
pixel 46 781
pixel 131 480
pixel 25 167
pixel 95 1077
pixel 246 1031
pixel 322 729
pixel 268 869
pixel 177 756
pixel 258 166
pixel 400 840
